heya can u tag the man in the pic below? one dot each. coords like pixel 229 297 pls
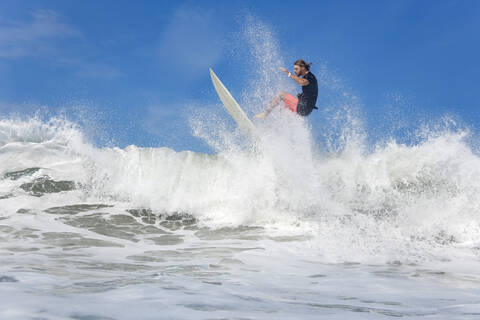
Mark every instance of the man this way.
pixel 305 103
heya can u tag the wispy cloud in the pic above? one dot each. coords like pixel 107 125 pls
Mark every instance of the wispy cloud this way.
pixel 35 36
pixel 89 69
pixel 46 34
pixel 190 42
pixel 98 71
pixel 161 119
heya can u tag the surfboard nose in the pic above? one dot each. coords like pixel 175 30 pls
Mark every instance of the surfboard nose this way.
pixel 212 74
pixel 232 106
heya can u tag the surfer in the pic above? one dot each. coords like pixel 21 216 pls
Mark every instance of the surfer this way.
pixel 305 102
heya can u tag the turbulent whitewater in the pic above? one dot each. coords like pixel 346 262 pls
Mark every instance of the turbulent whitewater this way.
pixel 227 233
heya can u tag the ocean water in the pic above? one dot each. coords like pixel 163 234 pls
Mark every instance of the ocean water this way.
pixel 247 233
pixel 292 227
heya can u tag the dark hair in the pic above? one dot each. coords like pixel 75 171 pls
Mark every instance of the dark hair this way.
pixel 302 63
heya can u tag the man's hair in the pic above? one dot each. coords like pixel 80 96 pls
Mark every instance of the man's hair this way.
pixel 302 63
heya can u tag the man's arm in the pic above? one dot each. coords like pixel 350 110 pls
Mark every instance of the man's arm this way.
pixel 301 81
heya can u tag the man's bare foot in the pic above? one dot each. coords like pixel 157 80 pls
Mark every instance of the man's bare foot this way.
pixel 261 115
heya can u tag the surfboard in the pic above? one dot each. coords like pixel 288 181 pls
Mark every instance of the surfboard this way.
pixel 233 107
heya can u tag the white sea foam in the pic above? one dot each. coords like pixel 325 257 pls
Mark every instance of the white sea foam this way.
pixel 398 202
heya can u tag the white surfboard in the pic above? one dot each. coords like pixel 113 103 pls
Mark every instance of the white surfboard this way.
pixel 233 107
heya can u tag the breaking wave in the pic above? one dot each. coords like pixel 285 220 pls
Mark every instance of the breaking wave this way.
pixel 347 199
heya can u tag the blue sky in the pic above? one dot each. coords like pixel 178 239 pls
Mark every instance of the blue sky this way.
pixel 131 71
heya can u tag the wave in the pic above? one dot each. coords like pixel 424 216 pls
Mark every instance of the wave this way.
pixel 382 201
pixel 352 199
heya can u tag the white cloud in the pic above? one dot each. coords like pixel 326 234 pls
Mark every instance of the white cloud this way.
pixel 97 71
pixel 33 37
pixel 161 119
pixel 42 36
pixel 190 42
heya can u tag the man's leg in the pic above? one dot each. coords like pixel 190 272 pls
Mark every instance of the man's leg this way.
pixel 275 102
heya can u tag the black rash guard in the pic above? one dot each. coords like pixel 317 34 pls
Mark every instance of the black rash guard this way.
pixel 308 98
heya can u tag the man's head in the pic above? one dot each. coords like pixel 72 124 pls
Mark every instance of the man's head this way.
pixel 300 67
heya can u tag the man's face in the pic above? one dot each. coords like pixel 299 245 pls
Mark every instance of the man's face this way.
pixel 298 70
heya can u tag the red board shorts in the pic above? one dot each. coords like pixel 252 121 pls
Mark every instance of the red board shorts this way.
pixel 291 102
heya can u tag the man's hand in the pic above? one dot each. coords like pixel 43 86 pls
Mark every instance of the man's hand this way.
pixel 284 70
